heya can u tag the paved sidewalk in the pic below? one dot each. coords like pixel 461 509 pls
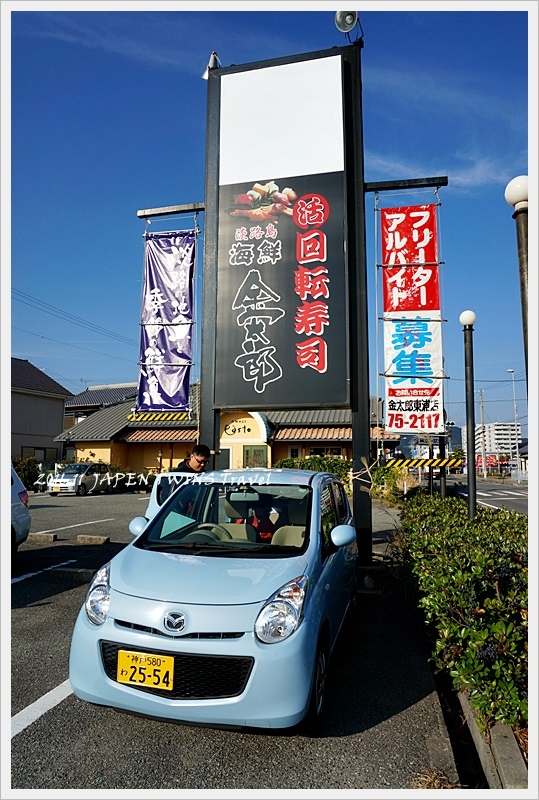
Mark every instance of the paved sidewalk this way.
pixel 385 521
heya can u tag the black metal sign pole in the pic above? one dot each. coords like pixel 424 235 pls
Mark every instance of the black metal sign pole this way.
pixel 209 417
pixel 357 267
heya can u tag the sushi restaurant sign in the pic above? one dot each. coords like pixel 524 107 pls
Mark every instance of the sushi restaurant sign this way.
pixel 282 277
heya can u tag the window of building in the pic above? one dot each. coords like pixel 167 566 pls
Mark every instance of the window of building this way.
pixel 326 451
pixel 46 456
pixel 255 456
pixel 293 452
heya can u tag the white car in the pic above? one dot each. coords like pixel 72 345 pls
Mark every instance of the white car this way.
pixel 81 479
pixel 20 515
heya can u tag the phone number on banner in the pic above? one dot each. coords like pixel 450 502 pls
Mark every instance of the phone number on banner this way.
pixel 413 421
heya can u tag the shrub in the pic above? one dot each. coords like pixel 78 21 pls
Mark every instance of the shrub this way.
pixel 389 483
pixel 472 578
pixel 28 471
pixel 337 466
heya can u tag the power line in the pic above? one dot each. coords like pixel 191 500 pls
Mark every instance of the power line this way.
pixel 498 381
pixel 502 400
pixel 68 344
pixel 54 311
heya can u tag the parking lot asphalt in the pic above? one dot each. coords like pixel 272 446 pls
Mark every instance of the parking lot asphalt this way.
pixel 396 688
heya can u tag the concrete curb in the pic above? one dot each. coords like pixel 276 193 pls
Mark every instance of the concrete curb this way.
pixel 501 760
pixel 42 537
pixel 82 538
pixel 75 572
pixel 87 539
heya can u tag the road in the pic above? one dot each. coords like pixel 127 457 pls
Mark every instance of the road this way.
pixel 383 730
pixel 495 494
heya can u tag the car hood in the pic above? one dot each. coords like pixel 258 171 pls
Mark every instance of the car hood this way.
pixel 207 580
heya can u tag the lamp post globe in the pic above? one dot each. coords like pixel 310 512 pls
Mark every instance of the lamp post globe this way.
pixel 467 318
pixel 516 192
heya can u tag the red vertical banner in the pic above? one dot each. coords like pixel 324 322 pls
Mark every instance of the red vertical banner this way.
pixel 410 258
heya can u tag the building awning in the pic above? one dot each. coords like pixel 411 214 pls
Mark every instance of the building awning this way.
pixel 160 435
pixel 314 434
pixel 329 434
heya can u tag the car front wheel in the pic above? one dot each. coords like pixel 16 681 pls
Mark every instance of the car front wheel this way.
pixel 315 712
pixel 82 490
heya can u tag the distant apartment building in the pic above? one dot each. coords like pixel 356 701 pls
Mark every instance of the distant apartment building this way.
pixel 500 438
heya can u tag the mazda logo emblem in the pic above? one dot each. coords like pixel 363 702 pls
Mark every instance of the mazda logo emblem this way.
pixel 174 622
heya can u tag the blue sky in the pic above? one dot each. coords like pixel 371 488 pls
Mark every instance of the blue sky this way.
pixel 108 116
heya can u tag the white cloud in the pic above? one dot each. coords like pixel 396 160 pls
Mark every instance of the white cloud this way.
pixel 463 173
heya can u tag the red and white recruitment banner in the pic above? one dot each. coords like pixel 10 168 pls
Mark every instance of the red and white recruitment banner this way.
pixel 412 319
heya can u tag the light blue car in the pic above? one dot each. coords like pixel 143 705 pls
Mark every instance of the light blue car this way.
pixel 225 608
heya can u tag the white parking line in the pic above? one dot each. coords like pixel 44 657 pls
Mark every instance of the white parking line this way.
pixel 77 525
pixel 35 710
pixel 33 574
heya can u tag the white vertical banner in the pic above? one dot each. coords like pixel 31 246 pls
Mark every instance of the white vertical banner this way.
pixel 413 370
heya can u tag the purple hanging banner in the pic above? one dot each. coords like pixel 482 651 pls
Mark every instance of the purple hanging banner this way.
pixel 167 320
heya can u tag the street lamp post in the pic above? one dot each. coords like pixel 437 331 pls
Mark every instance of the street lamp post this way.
pixel 512 371
pixel 467 320
pixel 516 194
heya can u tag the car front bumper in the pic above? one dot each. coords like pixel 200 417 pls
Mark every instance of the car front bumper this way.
pixel 276 694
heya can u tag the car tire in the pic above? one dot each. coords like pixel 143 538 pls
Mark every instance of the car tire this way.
pixel 82 490
pixel 315 711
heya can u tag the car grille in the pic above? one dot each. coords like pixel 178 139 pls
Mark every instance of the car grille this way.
pixel 196 677
pixel 155 632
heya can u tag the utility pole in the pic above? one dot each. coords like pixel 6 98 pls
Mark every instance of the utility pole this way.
pixel 442 451
pixel 483 449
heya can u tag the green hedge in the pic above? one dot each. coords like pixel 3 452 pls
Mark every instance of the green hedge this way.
pixel 472 577
pixel 338 466
pixel 28 471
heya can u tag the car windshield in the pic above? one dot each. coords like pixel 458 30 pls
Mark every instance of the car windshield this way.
pixel 220 519
pixel 74 469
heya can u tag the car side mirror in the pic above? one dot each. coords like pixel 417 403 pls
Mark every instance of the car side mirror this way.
pixel 343 535
pixel 137 525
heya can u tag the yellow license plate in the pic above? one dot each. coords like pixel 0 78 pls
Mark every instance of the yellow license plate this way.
pixel 55 488
pixel 145 669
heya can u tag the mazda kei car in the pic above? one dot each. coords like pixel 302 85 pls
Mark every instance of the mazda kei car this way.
pixel 209 617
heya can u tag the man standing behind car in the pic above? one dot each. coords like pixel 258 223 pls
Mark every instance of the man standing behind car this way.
pixel 195 464
pixel 197 461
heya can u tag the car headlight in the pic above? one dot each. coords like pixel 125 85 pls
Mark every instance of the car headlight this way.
pixel 282 613
pixel 98 596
